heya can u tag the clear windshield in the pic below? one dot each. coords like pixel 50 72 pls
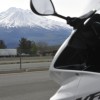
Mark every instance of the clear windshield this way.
pixel 75 7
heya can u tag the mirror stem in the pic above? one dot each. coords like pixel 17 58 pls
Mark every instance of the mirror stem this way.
pixel 58 15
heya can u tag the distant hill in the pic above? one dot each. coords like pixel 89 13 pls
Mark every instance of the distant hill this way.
pixel 16 23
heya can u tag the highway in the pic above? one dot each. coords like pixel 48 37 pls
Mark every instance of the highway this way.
pixel 9 67
pixel 27 86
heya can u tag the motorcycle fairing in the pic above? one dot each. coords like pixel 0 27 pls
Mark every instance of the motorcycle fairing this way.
pixel 75 83
pixel 89 86
pixel 69 87
pixel 96 28
pixel 85 87
pixel 68 79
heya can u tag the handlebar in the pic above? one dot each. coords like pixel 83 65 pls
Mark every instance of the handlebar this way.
pixel 77 22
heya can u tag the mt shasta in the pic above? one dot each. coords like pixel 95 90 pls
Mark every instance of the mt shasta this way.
pixel 16 23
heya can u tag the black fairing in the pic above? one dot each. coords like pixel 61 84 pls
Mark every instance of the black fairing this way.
pixel 83 49
pixel 96 28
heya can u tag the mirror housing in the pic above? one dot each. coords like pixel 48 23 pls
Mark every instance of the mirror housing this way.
pixel 44 8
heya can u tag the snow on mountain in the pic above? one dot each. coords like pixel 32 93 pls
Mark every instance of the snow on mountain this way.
pixel 17 17
pixel 16 23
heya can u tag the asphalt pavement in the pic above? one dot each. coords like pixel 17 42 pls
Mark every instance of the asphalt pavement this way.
pixel 10 68
pixel 14 64
pixel 27 86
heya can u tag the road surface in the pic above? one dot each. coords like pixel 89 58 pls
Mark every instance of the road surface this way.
pixel 7 67
pixel 27 86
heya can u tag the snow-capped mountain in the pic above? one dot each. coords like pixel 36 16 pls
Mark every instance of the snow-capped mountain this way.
pixel 16 23
pixel 17 17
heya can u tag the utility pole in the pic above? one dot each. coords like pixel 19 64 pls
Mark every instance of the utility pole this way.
pixel 20 59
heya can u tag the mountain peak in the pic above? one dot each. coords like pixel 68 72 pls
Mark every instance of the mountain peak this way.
pixel 14 17
pixel 16 23
pixel 17 17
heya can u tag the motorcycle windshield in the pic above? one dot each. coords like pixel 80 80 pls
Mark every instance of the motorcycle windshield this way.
pixel 75 8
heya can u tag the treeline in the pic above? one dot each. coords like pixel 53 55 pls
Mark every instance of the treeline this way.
pixel 28 47
pixel 2 44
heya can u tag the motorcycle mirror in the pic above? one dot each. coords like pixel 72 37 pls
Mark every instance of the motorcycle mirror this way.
pixel 44 8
